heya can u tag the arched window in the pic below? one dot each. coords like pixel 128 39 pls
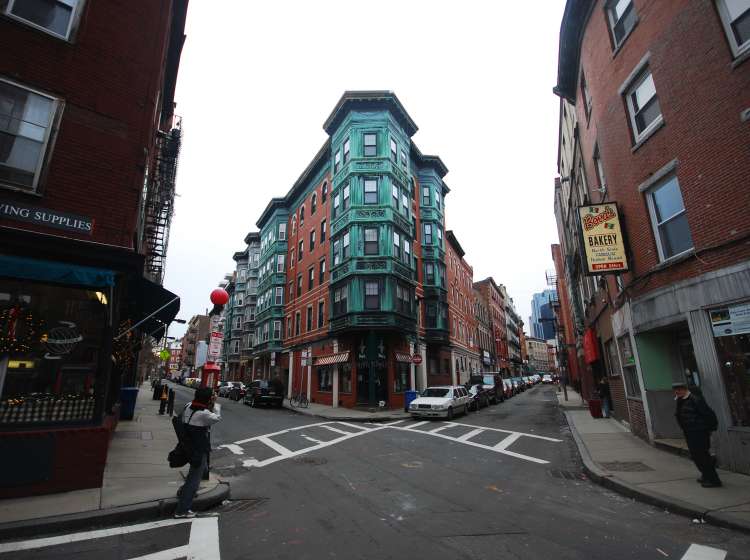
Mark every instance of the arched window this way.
pixel 324 193
pixel 314 203
pixel 294 225
pixel 302 216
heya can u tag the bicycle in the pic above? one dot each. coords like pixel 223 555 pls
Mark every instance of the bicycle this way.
pixel 299 400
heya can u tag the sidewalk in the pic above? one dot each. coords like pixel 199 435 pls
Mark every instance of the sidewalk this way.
pixel 138 482
pixel 347 414
pixel 617 459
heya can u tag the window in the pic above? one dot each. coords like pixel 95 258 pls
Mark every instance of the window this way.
pixel 291 290
pixel 279 298
pixel 440 236
pixel 396 244
pixel 324 192
pixel 265 331
pixel 613 361
pixel 309 319
pixel 320 314
pixel 282 232
pixel 407 252
pixel 325 379
pixel 600 173
pixel 312 240
pixel 26 120
pixel 299 285
pixel 251 314
pixel 236 346
pixel 345 245
pixel 630 374
pixel 277 330
pixel 404 204
pixel 403 303
pixel 668 219
pixel 322 271
pixel 346 150
pixel 310 277
pixel 291 258
pixel 294 225
pixel 622 18
pixel 322 231
pixel 735 16
pixel 339 300
pixel 337 161
pixel 586 95
pixel 371 191
pixel 300 250
pixel 394 192
pixel 428 234
pixel 346 197
pixel 429 273
pixel 336 252
pixel 372 295
pixel 288 326
pixel 336 203
pixel 371 144
pixel 437 198
pixel 313 203
pixel 371 241
pixel 643 105
pixel 394 151
pixel 55 17
pixel 403 158
pixel 280 263
pixel 425 196
pixel 297 321
pixel 401 377
pixel 302 216
pixel 238 323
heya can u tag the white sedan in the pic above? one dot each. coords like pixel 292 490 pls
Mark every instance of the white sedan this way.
pixel 440 402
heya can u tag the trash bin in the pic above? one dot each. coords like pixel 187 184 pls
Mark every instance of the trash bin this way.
pixel 408 397
pixel 128 395
pixel 595 408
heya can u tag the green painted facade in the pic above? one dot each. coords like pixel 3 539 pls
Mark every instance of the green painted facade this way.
pixel 269 317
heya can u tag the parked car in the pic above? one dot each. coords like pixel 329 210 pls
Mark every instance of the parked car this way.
pixel 508 388
pixel 547 378
pixel 480 397
pixel 491 381
pixel 261 391
pixel 235 390
pixel 519 383
pixel 440 401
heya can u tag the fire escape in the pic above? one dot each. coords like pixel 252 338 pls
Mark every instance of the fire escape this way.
pixel 159 203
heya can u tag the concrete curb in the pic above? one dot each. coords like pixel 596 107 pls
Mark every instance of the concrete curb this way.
pixel 18 530
pixel 308 412
pixel 673 505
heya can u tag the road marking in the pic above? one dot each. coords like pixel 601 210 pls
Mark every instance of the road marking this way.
pixel 204 539
pixel 357 426
pixel 169 554
pixel 277 447
pixel 308 438
pixel 700 552
pixel 470 434
pixel 438 429
pixel 508 441
pixel 233 447
pixel 412 426
pixel 393 423
pixel 343 432
pixel 545 438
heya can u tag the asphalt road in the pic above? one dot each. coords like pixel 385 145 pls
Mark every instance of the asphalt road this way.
pixel 505 482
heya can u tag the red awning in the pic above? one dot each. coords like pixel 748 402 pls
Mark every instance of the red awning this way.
pixel 590 346
pixel 331 359
pixel 401 357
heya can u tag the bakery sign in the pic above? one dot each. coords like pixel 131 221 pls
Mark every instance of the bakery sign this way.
pixel 45 217
pixel 603 244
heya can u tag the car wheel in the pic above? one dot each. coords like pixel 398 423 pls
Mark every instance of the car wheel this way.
pixel 449 416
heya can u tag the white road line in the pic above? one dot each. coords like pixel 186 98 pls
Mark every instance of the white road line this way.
pixel 277 447
pixel 470 434
pixel 393 423
pixel 280 432
pixel 88 535
pixel 358 426
pixel 343 432
pixel 700 552
pixel 308 438
pixel 169 554
pixel 439 429
pixel 234 448
pixel 412 426
pixel 545 438
pixel 204 539
pixel 508 441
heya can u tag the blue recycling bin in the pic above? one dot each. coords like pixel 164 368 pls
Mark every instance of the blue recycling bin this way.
pixel 128 395
pixel 408 397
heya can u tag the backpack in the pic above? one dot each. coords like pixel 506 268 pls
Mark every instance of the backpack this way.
pixel 180 455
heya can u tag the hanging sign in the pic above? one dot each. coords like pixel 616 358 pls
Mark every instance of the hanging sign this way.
pixel 214 346
pixel 603 244
pixel 165 354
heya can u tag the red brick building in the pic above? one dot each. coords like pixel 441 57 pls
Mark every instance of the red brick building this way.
pixel 659 91
pixel 88 156
pixel 566 354
pixel 494 296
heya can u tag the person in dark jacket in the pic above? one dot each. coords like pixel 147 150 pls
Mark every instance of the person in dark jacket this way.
pixel 197 417
pixel 605 396
pixel 697 421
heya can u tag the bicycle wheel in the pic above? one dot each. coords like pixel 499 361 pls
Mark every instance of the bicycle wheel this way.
pixel 303 402
pixel 294 401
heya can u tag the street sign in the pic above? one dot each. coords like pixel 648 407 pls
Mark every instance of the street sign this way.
pixel 214 347
pixel 417 359
pixel 165 354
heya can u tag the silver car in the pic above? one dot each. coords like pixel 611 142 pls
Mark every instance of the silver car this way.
pixel 440 402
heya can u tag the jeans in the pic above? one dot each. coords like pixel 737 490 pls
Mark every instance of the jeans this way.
pixel 187 491
pixel 605 407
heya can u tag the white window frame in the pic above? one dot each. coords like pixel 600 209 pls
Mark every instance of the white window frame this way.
pixel 737 49
pixel 609 8
pixel 282 232
pixel 655 224
pixel 279 296
pixel 277 330
pixel 637 81
pixel 280 264
pixel 76 9
pixel 47 142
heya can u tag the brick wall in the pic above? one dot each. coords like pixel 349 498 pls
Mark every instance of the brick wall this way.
pixel 638 419
pixel 619 400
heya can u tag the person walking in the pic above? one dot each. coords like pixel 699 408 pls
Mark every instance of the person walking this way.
pixel 605 396
pixel 197 417
pixel 697 421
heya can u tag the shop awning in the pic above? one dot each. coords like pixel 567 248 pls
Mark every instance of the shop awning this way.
pixel 55 272
pixel 401 357
pixel 154 306
pixel 331 359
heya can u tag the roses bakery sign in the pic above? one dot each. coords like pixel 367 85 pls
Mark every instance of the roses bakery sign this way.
pixel 45 217
pixel 602 239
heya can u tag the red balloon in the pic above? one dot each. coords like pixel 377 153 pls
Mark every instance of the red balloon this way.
pixel 219 297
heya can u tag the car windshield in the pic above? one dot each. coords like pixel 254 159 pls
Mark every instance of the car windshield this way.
pixel 436 392
pixel 488 380
pixel 237 383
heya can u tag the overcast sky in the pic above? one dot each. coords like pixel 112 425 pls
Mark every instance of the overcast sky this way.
pixel 257 80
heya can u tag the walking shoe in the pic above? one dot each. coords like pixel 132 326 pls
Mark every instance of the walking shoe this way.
pixel 711 484
pixel 189 514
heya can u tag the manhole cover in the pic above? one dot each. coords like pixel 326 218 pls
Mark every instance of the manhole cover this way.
pixel 626 466
pixel 241 505
pixel 302 460
pixel 567 475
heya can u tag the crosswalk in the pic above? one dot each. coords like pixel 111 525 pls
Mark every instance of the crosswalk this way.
pixel 266 449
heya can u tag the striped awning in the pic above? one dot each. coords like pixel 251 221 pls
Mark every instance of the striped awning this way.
pixel 331 359
pixel 401 357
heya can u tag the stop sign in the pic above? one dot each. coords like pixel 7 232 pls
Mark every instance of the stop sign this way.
pixel 417 359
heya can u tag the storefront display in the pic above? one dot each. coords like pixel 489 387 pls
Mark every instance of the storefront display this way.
pixel 731 328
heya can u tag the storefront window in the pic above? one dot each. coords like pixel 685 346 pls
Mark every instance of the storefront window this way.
pixel 731 327
pixel 401 378
pixel 345 378
pixel 51 338
pixel 325 379
pixel 629 371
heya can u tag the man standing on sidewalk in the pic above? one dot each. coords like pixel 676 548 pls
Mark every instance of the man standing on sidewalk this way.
pixel 697 421
pixel 202 413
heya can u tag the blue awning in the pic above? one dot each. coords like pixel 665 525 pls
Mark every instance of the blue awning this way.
pixel 55 272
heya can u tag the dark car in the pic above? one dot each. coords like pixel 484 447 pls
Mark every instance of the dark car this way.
pixel 480 397
pixel 519 383
pixel 261 391
pixel 492 383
